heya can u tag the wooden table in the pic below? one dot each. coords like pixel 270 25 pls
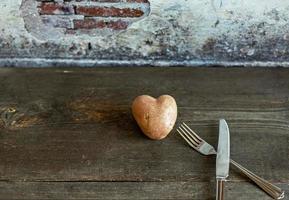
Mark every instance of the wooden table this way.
pixel 68 133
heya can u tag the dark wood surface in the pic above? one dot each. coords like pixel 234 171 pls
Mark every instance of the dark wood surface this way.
pixel 68 133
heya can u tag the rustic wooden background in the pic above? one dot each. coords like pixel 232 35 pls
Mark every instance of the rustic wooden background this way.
pixel 68 133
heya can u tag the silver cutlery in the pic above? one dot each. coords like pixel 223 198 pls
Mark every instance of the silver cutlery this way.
pixel 223 159
pixel 200 145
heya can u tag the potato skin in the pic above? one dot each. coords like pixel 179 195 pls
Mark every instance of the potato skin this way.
pixel 155 117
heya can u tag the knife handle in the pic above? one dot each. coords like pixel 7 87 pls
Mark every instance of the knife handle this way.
pixel 274 191
pixel 220 189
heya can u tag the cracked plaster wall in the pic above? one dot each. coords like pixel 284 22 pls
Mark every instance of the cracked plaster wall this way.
pixel 175 31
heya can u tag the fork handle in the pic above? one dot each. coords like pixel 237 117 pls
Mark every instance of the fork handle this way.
pixel 274 191
pixel 220 189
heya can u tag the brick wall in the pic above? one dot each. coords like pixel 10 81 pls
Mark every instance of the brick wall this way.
pixel 87 15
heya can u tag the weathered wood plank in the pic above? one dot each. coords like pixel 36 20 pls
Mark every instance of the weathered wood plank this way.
pixel 76 125
pixel 98 153
pixel 128 190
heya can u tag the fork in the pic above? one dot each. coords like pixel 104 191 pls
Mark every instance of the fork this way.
pixel 200 145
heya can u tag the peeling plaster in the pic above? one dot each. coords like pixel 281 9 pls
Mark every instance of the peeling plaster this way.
pixel 177 30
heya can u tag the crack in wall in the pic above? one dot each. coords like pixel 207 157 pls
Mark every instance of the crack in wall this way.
pixel 179 31
pixel 54 20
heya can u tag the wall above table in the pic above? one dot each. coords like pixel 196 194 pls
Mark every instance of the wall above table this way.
pixel 44 33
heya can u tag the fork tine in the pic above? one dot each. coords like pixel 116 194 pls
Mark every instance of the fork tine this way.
pixel 187 140
pixel 190 135
pixel 192 132
pixel 195 143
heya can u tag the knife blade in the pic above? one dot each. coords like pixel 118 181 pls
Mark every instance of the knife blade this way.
pixel 223 158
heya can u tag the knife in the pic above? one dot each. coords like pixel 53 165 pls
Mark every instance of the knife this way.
pixel 223 158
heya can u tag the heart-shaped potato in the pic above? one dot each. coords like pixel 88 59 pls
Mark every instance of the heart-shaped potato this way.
pixel 155 117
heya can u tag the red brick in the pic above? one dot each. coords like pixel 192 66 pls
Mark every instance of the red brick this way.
pixel 108 11
pixel 48 8
pixel 115 1
pixel 100 24
pixel 103 1
pixel 70 31
pixel 137 1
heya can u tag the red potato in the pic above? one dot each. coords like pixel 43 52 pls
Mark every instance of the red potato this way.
pixel 155 117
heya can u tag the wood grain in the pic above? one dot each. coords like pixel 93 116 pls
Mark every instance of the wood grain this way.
pixel 128 190
pixel 71 127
